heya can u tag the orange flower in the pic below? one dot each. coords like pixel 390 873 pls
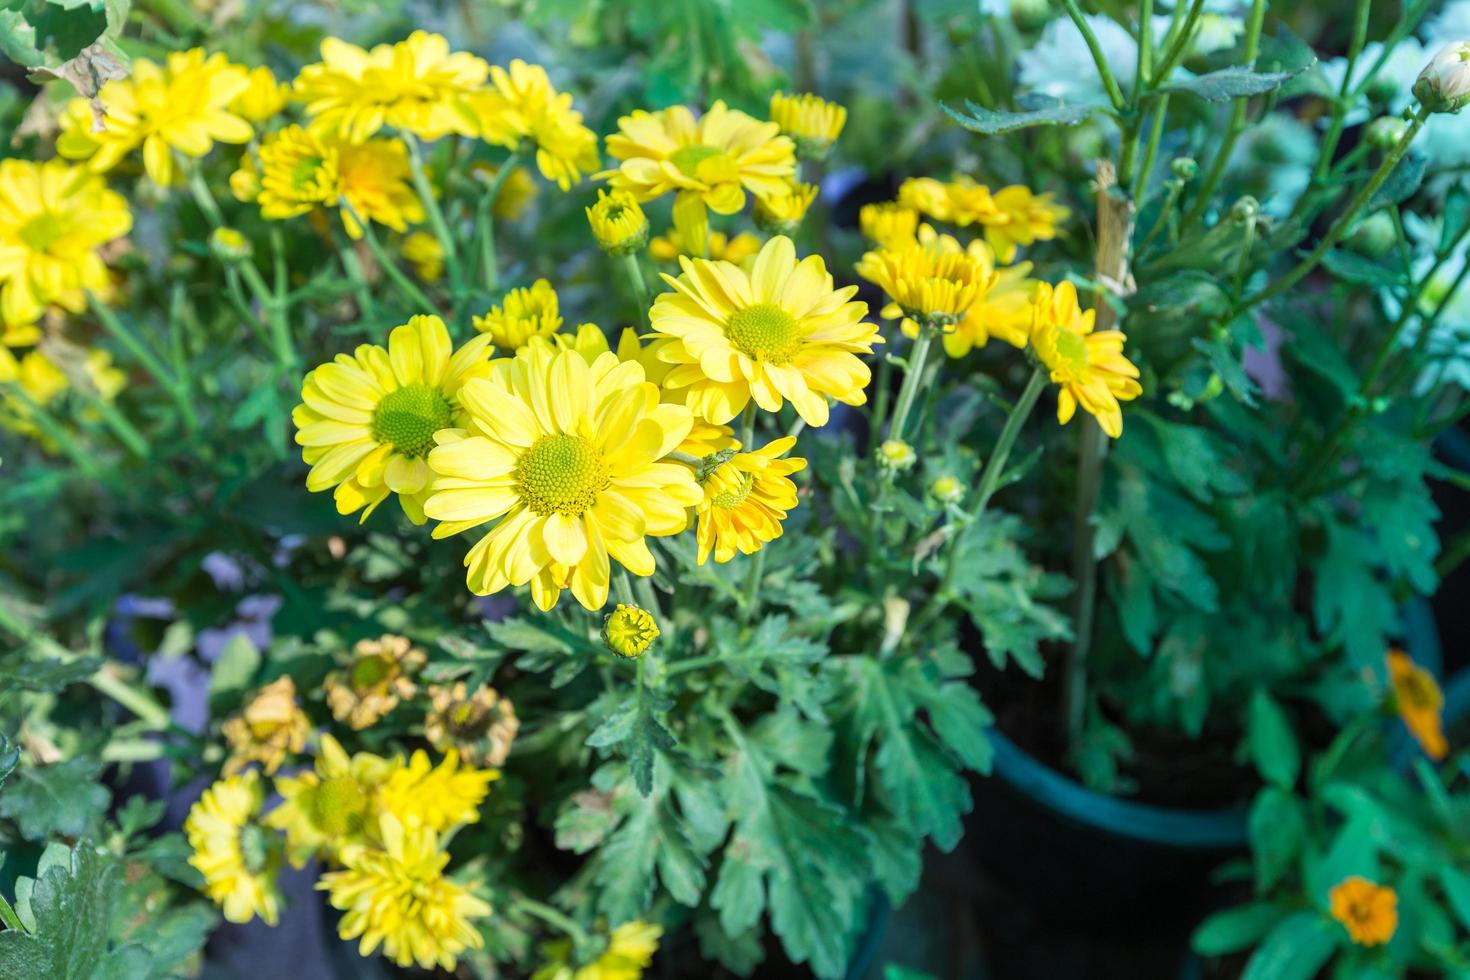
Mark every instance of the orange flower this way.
pixel 1369 912
pixel 1417 697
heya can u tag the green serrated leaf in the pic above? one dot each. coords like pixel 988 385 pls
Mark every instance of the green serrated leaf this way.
pixel 989 122
pixel 1232 83
pixel 1401 183
pixel 72 906
pixel 1296 949
pixel 64 798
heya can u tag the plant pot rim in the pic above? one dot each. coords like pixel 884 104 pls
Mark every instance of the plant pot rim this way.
pixel 1222 829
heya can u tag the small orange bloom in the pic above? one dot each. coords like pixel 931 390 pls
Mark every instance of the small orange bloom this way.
pixel 1418 700
pixel 1369 912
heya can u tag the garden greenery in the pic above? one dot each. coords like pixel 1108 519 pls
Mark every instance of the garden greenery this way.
pixel 505 469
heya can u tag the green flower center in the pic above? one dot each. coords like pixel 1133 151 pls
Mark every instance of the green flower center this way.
pixel 338 805
pixel 409 417
pixel 688 158
pixel 254 848
pixel 305 174
pixel 561 474
pixel 42 231
pixel 1071 350
pixel 765 332
pixel 371 671
pixel 736 495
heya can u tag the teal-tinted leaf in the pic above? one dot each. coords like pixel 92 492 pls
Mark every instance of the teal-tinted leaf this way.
pixel 1350 604
pixel 72 909
pixel 48 674
pixel 1360 270
pixel 9 758
pixel 64 798
pixel 1296 949
pixel 1236 929
pixel 1227 364
pixel 989 122
pixel 1232 83
pixel 1456 216
pixel 1401 183
pixel 1273 745
pixel 1457 889
pixel 1278 830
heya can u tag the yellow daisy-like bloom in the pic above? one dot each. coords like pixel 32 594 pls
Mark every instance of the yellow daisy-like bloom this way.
pixel 890 224
pixel 618 223
pixel 516 193
pixel 629 952
pixel 398 897
pixel 425 253
pixel 669 246
pixel 271 727
pixel 782 213
pixel 775 333
pixel 811 121
pixel 332 806
pixel 521 315
pixel 1089 366
pixel 1003 311
pixel 38 379
pixel 416 86
pixel 931 281
pixel 928 197
pixel 183 105
pixel 1019 217
pixel 1419 702
pixel 1368 911
pixel 300 171
pixel 482 726
pixel 263 97
pixel 53 218
pixel 570 460
pixel 237 859
pixel 367 419
pixel 629 631
pixel 439 796
pixel 709 162
pixel 523 104
pixel 705 437
pixel 374 679
pixel 746 498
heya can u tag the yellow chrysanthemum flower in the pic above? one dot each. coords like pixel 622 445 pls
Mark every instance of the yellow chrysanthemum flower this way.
pixel 746 498
pixel 183 105
pixel 416 86
pixel 811 121
pixel 523 104
pixel 38 379
pixel 629 631
pixel 299 171
pixel 777 332
pixel 398 897
pixel 425 253
pixel 1368 911
pixel 705 437
pixel 437 796
pixel 367 420
pixel 709 163
pixel 889 225
pixel 895 454
pixel 271 727
pixel 947 489
pixel 373 680
pixel 782 213
pixel 934 282
pixel 927 196
pixel 1003 311
pixel 263 97
pixel 53 218
pixel 482 726
pixel 1089 366
pixel 332 806
pixel 618 223
pixel 569 459
pixel 1419 701
pixel 629 952
pixel 670 245
pixel 238 860
pixel 1020 217
pixel 521 315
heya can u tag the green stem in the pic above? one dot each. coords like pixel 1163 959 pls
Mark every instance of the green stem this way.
pixel 126 433
pixel 431 208
pixel 912 373
pixel 551 916
pixel 485 221
pixel 880 402
pixel 1144 73
pixel 989 481
pixel 747 426
pixel 275 316
pixel 411 292
pixel 131 342
pixel 51 428
pixel 693 663
pixel 1237 119
pixel 753 586
pixel 1110 84
pixel 1155 136
pixel 9 918
pixel 1180 44
pixel 1092 448
pixel 640 285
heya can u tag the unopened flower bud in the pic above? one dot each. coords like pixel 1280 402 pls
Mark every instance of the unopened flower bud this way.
pixel 895 454
pixel 781 214
pixel 1386 132
pixel 1374 236
pixel 1184 168
pixel 629 631
pixel 1245 210
pixel 1444 84
pixel 229 246
pixel 947 489
pixel 619 224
